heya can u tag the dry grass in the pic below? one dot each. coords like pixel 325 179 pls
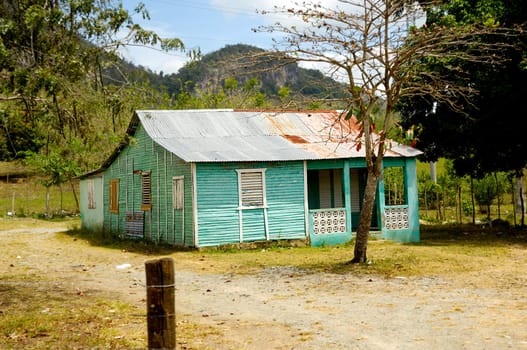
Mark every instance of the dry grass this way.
pixel 446 251
pixel 21 224
pixel 41 314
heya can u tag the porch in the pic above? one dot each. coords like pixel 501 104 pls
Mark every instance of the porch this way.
pixel 335 197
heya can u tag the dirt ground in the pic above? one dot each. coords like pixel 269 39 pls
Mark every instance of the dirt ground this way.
pixel 285 308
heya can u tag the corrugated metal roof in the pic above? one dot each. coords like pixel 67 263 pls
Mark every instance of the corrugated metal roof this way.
pixel 229 135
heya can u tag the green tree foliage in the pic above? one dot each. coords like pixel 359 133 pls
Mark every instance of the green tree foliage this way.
pixel 488 133
pixel 54 93
pixel 55 169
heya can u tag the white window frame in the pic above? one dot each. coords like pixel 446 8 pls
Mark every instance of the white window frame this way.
pixel 178 192
pixel 242 189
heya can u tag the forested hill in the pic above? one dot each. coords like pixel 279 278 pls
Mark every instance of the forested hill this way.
pixel 209 74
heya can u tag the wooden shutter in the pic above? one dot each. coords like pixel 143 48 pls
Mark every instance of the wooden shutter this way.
pixel 114 196
pixel 178 194
pixel 91 194
pixel 146 191
pixel 251 187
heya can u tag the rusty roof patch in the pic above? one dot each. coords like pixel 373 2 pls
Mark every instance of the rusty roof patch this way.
pixel 295 138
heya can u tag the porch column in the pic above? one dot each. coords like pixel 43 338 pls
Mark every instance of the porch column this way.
pixel 382 201
pixel 347 194
pixel 410 179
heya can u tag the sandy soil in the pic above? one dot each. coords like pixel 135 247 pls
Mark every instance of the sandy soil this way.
pixel 285 308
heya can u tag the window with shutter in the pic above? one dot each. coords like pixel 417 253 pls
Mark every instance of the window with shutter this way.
pixel 251 187
pixel 146 191
pixel 178 192
pixel 114 196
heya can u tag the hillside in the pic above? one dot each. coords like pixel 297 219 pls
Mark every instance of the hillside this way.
pixel 211 71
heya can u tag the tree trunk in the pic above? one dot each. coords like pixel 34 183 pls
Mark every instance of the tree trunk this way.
pixel 488 204
pixel 374 166
pixel 523 210
pixel 513 201
pixel 363 230
pixel 472 200
pixel 47 202
pixel 438 203
pixel 520 205
pixel 460 205
pixel 498 193
pixel 75 196
pixel 61 199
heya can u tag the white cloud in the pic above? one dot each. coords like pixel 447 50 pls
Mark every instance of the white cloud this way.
pixel 157 61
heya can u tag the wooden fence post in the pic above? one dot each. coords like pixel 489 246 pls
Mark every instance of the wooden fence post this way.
pixel 160 301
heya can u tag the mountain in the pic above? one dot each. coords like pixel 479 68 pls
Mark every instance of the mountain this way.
pixel 236 62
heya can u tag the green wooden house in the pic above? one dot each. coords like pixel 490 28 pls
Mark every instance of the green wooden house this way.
pixel 200 178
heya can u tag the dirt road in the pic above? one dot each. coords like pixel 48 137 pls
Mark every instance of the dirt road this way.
pixel 286 308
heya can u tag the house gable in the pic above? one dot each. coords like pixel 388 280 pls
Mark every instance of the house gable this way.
pixel 156 220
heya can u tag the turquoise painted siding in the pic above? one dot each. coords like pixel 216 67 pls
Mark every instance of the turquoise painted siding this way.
pixel 92 217
pixel 218 215
pixel 285 200
pixel 253 223
pixel 162 223
pixel 217 203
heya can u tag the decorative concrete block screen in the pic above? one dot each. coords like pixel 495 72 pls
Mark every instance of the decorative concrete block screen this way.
pixel 329 221
pixel 396 218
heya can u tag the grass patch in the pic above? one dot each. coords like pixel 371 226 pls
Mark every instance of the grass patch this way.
pixel 26 197
pixel 69 223
pixel 42 314
pixel 449 252
pixel 108 240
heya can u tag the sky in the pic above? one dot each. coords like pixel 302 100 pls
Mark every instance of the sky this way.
pixel 208 25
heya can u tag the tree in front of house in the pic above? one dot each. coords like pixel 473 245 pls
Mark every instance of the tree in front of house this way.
pixel 378 50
